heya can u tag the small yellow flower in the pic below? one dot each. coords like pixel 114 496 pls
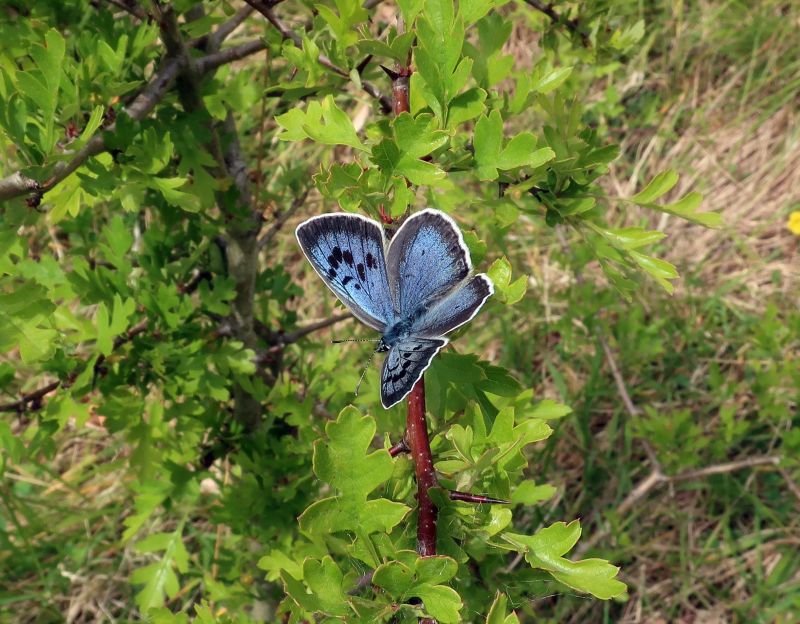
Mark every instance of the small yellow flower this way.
pixel 794 222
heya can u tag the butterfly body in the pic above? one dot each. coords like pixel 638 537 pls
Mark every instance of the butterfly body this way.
pixel 413 290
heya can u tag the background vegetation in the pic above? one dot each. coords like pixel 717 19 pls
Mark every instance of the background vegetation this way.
pixel 166 367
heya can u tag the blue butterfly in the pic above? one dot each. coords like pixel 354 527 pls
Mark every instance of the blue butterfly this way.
pixel 414 289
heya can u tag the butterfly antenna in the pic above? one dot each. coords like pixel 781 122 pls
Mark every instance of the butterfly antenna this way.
pixel 364 371
pixel 355 340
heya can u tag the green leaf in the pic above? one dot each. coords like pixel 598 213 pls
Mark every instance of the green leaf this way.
pixel 322 122
pixel 95 119
pixel 497 612
pixel 630 238
pixel 105 340
pixel 324 579
pixel 437 57
pixel 499 381
pixel 624 38
pixel 152 152
pixel 159 579
pixel 410 10
pixel 436 569
pixel 466 106
pixel 343 462
pixel 545 551
pixel 500 273
pixel 417 137
pixel 657 187
pixel 441 602
pixel 473 10
pixel 660 270
pixel 491 156
pixel 378 48
pixel 548 409
pixel 26 322
pixel 413 138
pixel 528 493
pixel 546 79
pixel 516 290
pixel 169 189
pixel 395 577
pixel 49 59
pixel 686 208
pixel 424 582
pixel 36 90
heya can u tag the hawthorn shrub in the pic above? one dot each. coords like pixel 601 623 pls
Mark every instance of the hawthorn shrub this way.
pixel 156 310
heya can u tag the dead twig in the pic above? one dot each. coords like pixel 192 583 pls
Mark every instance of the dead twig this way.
pixel 630 407
pixel 280 219
pixel 570 24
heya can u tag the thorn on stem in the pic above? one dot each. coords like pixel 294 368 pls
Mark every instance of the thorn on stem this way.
pixel 477 499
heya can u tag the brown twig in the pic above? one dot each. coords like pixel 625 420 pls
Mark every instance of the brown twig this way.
pixel 130 7
pixel 214 60
pixel 399 448
pixel 265 8
pixel 571 24
pixel 656 478
pixel 33 400
pixel 281 339
pixel 280 219
pixel 630 407
pixel 215 39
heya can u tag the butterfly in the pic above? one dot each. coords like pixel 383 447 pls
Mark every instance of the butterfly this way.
pixel 413 290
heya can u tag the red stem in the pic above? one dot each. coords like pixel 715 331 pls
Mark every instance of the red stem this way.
pixel 416 426
pixel 417 437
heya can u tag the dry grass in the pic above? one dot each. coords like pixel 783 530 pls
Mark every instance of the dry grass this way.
pixel 749 171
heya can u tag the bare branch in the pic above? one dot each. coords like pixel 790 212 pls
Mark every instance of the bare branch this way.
pixel 265 8
pixel 700 473
pixel 399 448
pixel 280 219
pixel 216 38
pixel 131 7
pixel 571 24
pixel 16 184
pixel 33 400
pixel 632 410
pixel 214 60
pixel 281 338
pixel 656 478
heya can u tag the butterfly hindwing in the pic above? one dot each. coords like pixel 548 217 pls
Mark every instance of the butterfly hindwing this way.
pixel 348 253
pixel 426 259
pixel 404 365
pixel 457 307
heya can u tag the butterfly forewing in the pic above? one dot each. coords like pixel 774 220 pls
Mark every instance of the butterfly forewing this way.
pixel 456 308
pixel 427 258
pixel 404 365
pixel 348 253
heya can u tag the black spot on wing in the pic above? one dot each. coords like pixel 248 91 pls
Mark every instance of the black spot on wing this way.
pixel 362 274
pixel 337 254
pixel 348 257
pixel 346 280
